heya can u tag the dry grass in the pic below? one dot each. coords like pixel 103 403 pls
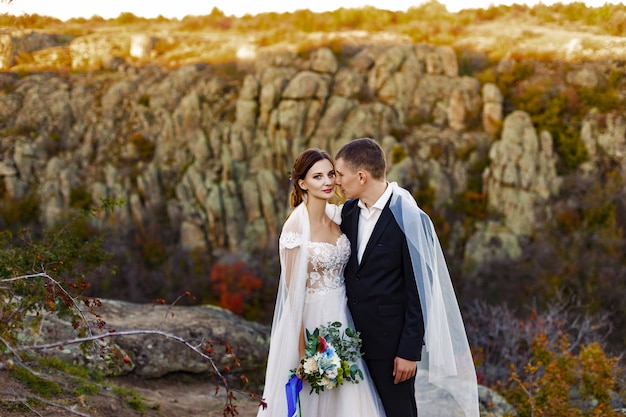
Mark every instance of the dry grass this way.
pixel 539 32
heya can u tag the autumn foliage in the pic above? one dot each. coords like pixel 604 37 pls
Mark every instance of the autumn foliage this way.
pixel 558 382
pixel 235 285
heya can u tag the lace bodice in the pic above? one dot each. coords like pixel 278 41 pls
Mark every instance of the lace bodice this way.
pixel 326 265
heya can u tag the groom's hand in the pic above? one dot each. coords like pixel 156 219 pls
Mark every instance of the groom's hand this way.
pixel 403 369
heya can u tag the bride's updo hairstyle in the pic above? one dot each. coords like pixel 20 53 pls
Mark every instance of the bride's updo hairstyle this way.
pixel 303 163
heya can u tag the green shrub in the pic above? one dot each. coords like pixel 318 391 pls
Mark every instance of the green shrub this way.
pixel 558 111
pixel 471 62
pixel 68 251
pixel 603 99
pixel 80 199
pixel 39 385
pixel 144 100
pixel 550 357
pixel 132 398
pixel 19 211
pixel 144 147
pixel 521 71
pixel 398 153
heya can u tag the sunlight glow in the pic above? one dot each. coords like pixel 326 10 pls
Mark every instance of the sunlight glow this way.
pixel 65 9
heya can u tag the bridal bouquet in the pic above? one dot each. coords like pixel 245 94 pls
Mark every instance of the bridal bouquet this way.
pixel 330 357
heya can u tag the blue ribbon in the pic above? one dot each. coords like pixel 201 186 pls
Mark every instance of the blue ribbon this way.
pixel 293 388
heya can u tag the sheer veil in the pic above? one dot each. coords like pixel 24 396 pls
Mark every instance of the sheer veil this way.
pixel 446 378
pixel 283 354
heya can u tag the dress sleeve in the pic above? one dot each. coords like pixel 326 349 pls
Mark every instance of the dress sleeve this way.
pixel 290 240
pixel 290 244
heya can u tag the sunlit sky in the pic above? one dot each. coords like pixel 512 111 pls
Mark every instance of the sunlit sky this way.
pixel 65 9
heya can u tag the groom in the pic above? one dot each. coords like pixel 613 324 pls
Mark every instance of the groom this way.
pixel 381 288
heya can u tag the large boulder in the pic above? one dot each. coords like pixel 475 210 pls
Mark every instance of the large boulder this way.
pixel 232 342
pixel 93 51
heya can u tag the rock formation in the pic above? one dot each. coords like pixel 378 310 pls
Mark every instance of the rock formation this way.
pixel 233 343
pixel 206 156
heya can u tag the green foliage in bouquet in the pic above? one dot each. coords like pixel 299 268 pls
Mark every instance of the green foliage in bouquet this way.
pixel 330 357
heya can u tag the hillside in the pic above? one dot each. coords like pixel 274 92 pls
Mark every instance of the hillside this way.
pixel 559 32
pixel 506 124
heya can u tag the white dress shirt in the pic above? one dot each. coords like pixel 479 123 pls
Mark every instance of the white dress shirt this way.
pixel 367 220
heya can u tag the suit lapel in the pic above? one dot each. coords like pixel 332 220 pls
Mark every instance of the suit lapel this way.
pixel 385 217
pixel 354 224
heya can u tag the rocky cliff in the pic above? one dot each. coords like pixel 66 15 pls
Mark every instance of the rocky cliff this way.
pixel 200 152
pixel 205 153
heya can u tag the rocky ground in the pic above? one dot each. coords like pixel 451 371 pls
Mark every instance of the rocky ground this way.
pixel 179 396
pixel 165 382
pixel 172 396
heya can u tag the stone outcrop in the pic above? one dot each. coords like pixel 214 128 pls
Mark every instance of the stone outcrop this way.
pixel 492 109
pixel 206 157
pixel 232 342
pixel 14 43
pixel 210 152
pixel 604 134
pixel 519 183
pixel 522 175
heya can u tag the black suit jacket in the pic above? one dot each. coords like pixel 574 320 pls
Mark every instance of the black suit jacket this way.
pixel 382 294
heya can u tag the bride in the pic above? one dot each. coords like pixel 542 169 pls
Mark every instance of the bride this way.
pixel 311 293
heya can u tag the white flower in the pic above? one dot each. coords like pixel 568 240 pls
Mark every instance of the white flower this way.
pixel 328 383
pixel 310 365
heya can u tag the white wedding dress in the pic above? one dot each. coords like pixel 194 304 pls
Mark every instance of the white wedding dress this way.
pixel 325 301
pixel 311 293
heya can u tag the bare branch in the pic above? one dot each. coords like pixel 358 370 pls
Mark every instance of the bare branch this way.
pixel 229 409
pixel 114 334
pixel 23 398
pixel 17 360
pixel 59 286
